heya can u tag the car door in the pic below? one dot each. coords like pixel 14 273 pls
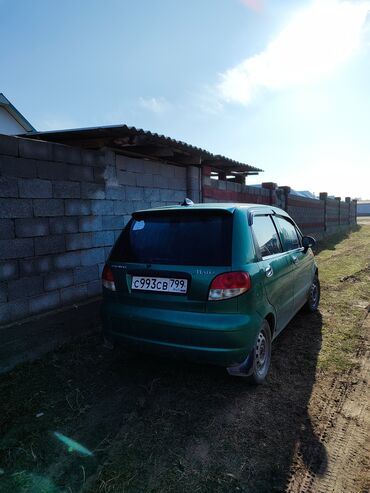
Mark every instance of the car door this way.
pixel 277 268
pixel 301 261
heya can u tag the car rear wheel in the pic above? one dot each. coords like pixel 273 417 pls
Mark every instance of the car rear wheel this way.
pixel 261 355
pixel 313 301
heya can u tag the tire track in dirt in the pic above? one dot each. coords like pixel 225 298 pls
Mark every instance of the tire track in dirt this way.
pixel 345 428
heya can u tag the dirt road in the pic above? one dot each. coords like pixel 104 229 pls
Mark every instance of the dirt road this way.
pixel 141 424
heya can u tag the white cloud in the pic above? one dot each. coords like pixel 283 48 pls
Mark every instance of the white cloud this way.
pixel 155 105
pixel 317 40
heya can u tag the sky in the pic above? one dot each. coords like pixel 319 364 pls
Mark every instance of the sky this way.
pixel 283 85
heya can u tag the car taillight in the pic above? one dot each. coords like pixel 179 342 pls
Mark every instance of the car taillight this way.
pixel 229 285
pixel 107 278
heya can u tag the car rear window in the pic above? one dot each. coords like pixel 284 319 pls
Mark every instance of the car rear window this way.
pixel 176 239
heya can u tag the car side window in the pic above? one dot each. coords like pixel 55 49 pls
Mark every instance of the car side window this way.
pixel 266 236
pixel 288 233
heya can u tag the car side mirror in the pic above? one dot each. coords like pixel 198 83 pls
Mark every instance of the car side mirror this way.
pixel 308 242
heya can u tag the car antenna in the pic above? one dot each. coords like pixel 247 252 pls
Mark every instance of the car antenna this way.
pixel 187 202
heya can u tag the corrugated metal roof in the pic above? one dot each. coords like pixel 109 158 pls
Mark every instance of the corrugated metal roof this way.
pixel 138 142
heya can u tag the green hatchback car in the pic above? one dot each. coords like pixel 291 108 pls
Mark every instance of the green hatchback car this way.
pixel 215 283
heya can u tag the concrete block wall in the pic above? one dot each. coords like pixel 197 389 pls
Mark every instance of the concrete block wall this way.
pixel 61 209
pixel 332 213
pixel 309 214
pixel 316 217
pixel 228 191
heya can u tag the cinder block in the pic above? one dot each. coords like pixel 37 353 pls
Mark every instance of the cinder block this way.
pixel 31 226
pixel 3 292
pixel 78 240
pixel 90 223
pixel 152 167
pixel 145 180
pixel 108 157
pixel 35 266
pixel 9 145
pixel 160 181
pixel 134 193
pixel 66 154
pixel 57 280
pixel 142 205
pixel 117 234
pixel 101 267
pixel 92 256
pixel 168 170
pixel 103 238
pixel 116 193
pixel 86 274
pixel 45 302
pixel 9 270
pixel 14 310
pixel 73 294
pixel 94 288
pixel 6 229
pixel 99 175
pixel 8 187
pixel 19 167
pixel 48 207
pixel 106 175
pixel 16 248
pixel 107 251
pixel 49 244
pixel 102 207
pixel 80 173
pixel 127 178
pixel 25 287
pixel 67 189
pixel 92 191
pixel 113 222
pixel 35 149
pixel 180 172
pixel 12 208
pixel 52 171
pixel 167 195
pixel 92 158
pixel 179 195
pixel 122 207
pixel 67 260
pixel 152 194
pixel 60 225
pixel 77 207
pixel 136 165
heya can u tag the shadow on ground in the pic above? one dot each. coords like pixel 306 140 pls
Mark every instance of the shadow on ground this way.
pixel 331 242
pixel 156 425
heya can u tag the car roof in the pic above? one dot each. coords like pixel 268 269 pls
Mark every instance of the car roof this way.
pixel 226 206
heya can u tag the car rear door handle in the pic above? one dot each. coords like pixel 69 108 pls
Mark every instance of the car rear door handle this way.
pixel 268 271
pixel 294 259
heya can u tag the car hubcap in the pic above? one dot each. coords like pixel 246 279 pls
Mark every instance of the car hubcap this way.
pixel 314 294
pixel 262 353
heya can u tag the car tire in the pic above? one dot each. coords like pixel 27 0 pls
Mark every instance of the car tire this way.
pixel 261 355
pixel 313 300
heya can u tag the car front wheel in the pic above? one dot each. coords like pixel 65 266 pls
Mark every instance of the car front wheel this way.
pixel 261 355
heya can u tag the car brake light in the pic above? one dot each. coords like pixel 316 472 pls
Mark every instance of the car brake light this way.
pixel 108 279
pixel 228 285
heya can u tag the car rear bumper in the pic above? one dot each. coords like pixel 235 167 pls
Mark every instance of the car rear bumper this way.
pixel 223 339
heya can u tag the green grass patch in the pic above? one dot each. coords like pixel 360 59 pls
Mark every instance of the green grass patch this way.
pixel 344 270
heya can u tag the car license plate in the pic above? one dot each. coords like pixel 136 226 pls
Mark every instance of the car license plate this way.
pixel 160 284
